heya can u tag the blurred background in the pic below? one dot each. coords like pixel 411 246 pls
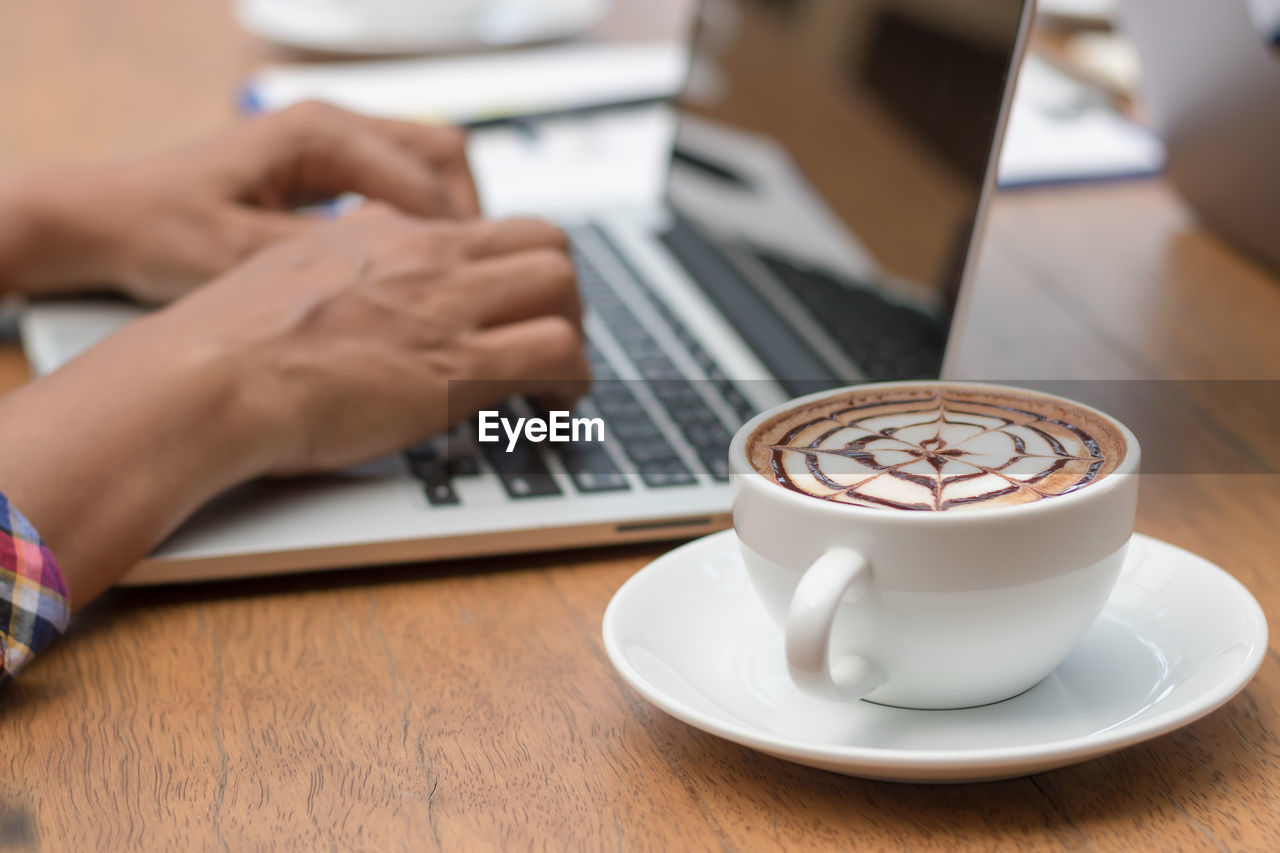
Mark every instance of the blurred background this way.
pixel 133 75
pixel 1085 215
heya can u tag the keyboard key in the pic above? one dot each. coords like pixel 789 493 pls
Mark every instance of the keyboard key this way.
pixel 522 471
pixel 740 405
pixel 693 417
pixel 616 399
pixel 591 468
pixel 651 450
pixel 716 461
pixel 666 472
pixel 678 395
pixel 428 464
pixel 625 417
pixel 708 437
pixel 440 492
pixel 463 466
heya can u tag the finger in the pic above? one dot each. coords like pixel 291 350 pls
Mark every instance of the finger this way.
pixel 542 357
pixel 460 186
pixel 269 227
pixel 317 151
pixel 432 142
pixel 445 148
pixel 520 286
pixel 244 232
pixel 371 165
pixel 489 237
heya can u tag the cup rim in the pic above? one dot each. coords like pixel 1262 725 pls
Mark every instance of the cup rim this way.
pixel 745 474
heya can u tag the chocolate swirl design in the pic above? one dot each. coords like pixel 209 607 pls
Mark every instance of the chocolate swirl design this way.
pixel 936 450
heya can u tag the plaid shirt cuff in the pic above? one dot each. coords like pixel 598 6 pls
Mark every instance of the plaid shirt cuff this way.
pixel 34 608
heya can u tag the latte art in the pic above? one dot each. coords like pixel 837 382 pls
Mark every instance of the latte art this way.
pixel 935 448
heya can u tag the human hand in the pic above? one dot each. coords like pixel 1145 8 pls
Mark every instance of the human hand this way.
pixel 379 330
pixel 355 339
pixel 155 226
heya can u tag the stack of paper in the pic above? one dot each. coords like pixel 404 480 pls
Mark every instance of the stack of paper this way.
pixel 1060 131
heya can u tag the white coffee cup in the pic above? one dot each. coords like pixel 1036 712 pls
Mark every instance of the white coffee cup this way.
pixel 922 609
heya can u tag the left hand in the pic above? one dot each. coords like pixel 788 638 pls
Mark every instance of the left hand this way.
pixel 154 227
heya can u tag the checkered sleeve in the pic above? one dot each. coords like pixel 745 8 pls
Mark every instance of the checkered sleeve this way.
pixel 34 608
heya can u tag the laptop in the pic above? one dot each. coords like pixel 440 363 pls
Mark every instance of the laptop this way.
pixel 801 238
pixel 1211 80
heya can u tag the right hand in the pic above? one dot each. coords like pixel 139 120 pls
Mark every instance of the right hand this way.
pixel 380 329
pixel 352 340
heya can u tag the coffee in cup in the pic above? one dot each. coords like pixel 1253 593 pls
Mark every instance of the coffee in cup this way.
pixel 936 448
pixel 932 544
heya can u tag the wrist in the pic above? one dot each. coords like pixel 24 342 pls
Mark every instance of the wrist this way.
pixel 201 398
pixel 109 454
pixel 49 242
pixel 17 234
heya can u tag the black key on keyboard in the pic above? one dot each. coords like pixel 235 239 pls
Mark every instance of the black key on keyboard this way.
pixel 591 468
pixel 463 466
pixel 678 395
pixel 601 369
pixel 428 463
pixel 666 472
pixel 655 449
pixel 741 406
pixel 633 428
pixel 440 492
pixel 627 420
pixel 716 460
pixel 522 471
pixel 708 437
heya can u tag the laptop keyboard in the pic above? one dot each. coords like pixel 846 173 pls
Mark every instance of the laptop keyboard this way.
pixel 524 472
pixel 886 340
pixel 653 456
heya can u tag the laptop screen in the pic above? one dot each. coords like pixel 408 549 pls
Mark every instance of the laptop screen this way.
pixel 837 151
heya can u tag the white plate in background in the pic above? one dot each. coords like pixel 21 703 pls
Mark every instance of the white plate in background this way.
pixel 372 27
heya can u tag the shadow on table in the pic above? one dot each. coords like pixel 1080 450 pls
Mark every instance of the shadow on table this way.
pixel 119 601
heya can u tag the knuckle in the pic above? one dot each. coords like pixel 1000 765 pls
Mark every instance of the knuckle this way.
pixel 375 211
pixel 442 240
pixel 558 266
pixel 479 234
pixel 450 140
pixel 312 112
pixel 316 126
pixel 563 339
pixel 556 236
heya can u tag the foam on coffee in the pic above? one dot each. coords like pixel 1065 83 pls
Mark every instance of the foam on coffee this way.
pixel 936 447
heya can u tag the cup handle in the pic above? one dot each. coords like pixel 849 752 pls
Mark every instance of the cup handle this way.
pixel 838 573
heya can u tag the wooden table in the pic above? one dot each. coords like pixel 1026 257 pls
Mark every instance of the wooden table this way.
pixel 470 705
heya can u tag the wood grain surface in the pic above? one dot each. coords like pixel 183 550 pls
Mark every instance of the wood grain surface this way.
pixel 470 705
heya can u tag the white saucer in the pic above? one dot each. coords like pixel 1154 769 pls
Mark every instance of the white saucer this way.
pixel 1178 638
pixel 403 26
